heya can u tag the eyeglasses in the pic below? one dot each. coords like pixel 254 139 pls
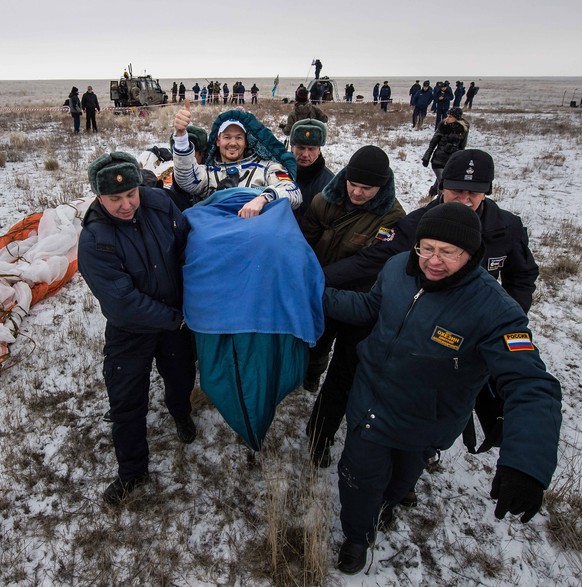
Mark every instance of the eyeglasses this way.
pixel 426 252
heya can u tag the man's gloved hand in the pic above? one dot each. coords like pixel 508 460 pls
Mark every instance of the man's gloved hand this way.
pixel 516 493
pixel 425 162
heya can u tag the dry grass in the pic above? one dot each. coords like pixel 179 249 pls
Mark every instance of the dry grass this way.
pixel 51 165
pixel 563 501
pixel 562 254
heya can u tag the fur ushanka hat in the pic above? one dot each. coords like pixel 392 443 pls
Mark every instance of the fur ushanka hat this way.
pixel 308 132
pixel 114 173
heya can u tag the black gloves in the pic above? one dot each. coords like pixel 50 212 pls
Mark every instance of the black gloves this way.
pixel 516 493
pixel 425 162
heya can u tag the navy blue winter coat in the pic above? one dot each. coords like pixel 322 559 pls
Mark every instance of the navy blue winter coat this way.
pixel 422 98
pixel 507 253
pixel 459 93
pixel 442 100
pixel 385 93
pixel 430 353
pixel 134 267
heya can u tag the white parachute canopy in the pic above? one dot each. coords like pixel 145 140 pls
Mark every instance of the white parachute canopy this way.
pixel 42 257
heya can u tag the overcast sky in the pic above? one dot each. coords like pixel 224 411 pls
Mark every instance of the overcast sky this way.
pixel 261 38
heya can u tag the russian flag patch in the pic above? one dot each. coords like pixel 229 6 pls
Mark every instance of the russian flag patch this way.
pixel 518 341
pixel 385 234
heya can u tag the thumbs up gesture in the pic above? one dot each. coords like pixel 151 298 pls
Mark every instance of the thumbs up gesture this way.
pixel 182 120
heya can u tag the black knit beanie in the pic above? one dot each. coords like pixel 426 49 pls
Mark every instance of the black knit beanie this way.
pixel 369 166
pixel 452 223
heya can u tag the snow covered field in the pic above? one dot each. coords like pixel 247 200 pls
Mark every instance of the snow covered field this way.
pixel 207 516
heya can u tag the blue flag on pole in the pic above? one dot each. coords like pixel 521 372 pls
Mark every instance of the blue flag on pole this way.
pixel 276 83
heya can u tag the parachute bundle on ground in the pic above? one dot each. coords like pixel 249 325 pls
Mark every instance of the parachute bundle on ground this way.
pixel 38 255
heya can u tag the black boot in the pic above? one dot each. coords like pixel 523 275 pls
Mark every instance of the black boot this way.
pixel 410 500
pixel 186 429
pixel 352 557
pixel 117 491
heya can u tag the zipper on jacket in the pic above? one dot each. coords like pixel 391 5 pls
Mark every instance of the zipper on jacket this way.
pixel 414 300
pixel 456 361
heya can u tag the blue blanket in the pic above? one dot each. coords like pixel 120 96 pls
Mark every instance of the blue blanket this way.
pixel 250 274
pixel 253 297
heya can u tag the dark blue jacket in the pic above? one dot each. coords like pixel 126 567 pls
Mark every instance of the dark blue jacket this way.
pixel 385 93
pixel 422 98
pixel 507 253
pixel 459 93
pixel 442 100
pixel 134 267
pixel 430 353
pixel 311 181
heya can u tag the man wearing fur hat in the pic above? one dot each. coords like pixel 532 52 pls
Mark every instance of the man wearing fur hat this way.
pixel 307 137
pixel 440 326
pixel 451 136
pixel 302 110
pixel 241 152
pixel 131 251
pixel 358 207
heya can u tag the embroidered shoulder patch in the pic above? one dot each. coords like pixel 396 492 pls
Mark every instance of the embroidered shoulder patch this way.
pixel 283 176
pixel 385 234
pixel 495 263
pixel 518 341
pixel 447 338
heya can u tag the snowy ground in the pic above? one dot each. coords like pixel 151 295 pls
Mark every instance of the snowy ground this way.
pixel 203 519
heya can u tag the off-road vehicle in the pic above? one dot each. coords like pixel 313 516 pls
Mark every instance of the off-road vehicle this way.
pixel 141 90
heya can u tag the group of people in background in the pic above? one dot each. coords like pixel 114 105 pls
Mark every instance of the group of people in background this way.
pixel 424 310
pixel 439 99
pixel 215 93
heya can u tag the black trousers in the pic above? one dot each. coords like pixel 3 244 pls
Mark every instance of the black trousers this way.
pixel 330 405
pixel 127 364
pixel 372 476
pixel 90 120
pixel 418 116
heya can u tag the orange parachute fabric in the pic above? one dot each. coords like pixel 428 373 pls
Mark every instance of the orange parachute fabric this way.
pixel 41 260
pixel 21 231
